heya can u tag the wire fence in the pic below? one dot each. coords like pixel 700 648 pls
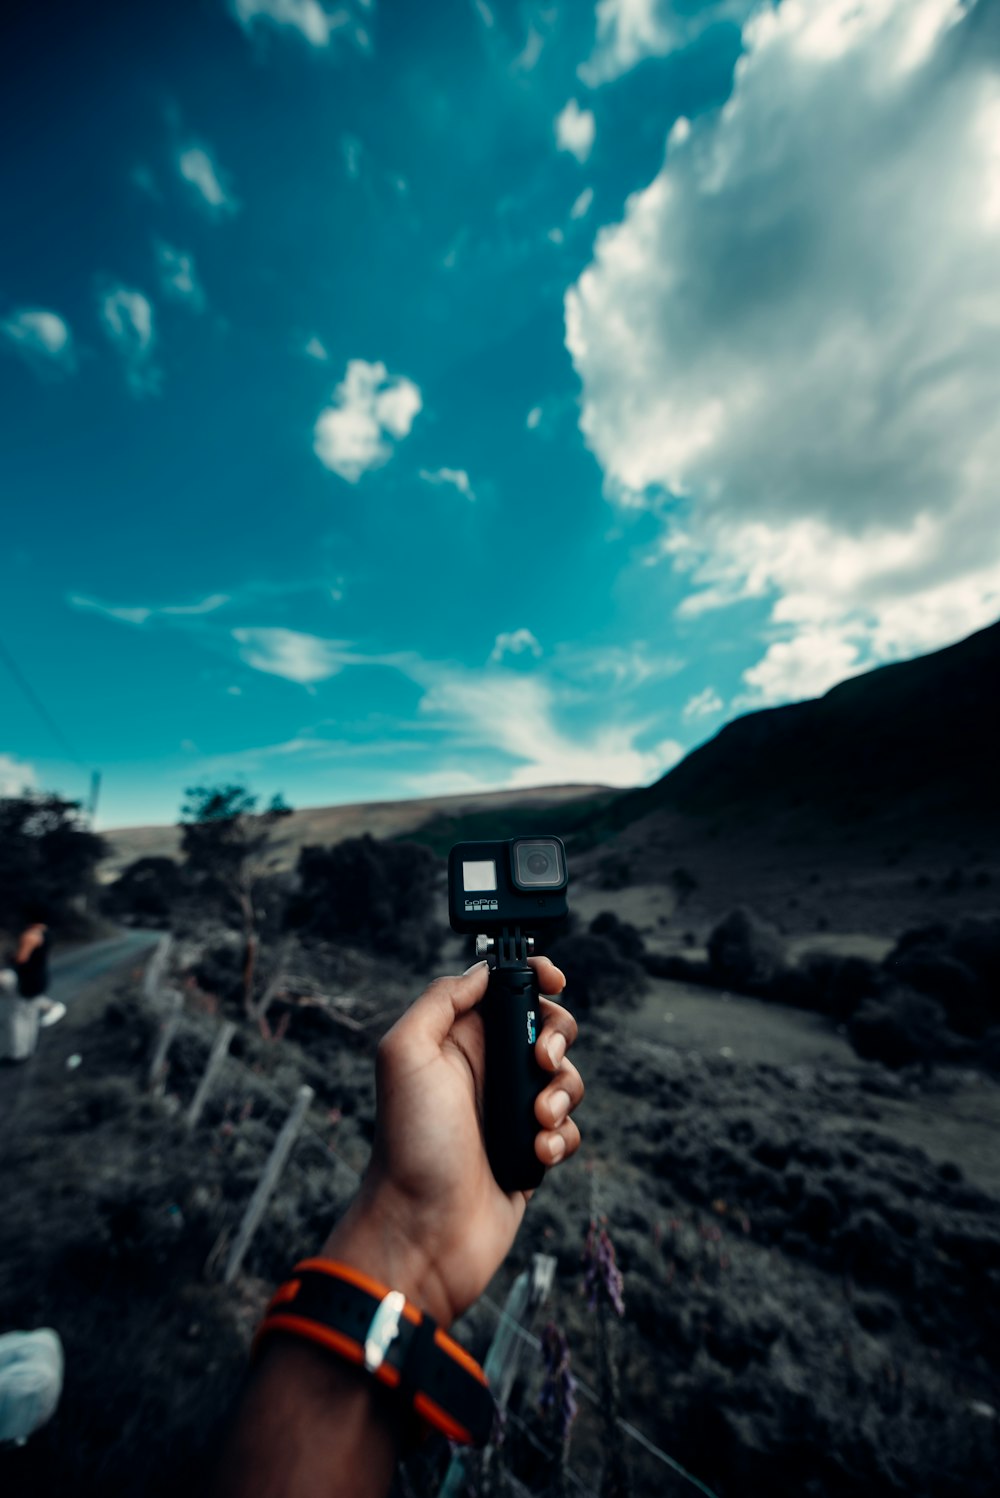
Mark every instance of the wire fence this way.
pixel 253 1082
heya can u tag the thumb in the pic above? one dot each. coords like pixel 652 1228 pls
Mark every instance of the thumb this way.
pixel 443 1002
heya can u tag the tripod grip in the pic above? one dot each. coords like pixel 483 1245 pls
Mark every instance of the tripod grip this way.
pixel 512 1018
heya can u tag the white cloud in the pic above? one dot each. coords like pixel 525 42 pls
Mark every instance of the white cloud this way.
pixel 199 170
pixel 704 704
pixel 352 151
pixel 515 713
pixel 286 652
pixel 141 614
pixel 575 129
pixel 370 409
pixel 456 477
pixel 315 348
pixel 533 418
pixel 126 316
pixel 16 776
pixel 556 235
pixel 630 30
pixel 516 642
pixel 793 331
pixel 41 337
pixel 581 206
pixel 485 14
pixel 178 277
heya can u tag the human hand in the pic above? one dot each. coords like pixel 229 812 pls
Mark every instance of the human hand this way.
pixel 430 1218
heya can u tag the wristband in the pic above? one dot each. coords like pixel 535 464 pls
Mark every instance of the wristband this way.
pixel 362 1321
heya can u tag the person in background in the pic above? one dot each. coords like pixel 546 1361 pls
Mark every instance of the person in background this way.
pixel 321 1417
pixel 25 1007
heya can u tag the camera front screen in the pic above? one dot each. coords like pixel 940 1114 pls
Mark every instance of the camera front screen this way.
pixel 538 864
pixel 478 875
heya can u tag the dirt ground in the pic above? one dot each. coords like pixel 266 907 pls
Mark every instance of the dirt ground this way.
pixel 810 1243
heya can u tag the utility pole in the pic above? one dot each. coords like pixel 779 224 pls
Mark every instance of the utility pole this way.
pixel 92 799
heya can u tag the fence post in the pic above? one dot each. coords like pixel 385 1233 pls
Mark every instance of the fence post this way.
pixel 156 967
pixel 502 1364
pixel 269 1179
pixel 169 1025
pixel 216 1056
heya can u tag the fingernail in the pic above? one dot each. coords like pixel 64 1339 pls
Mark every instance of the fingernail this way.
pixel 472 969
pixel 557 1148
pixel 557 1049
pixel 560 1107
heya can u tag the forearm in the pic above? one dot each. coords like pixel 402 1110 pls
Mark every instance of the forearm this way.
pixel 310 1425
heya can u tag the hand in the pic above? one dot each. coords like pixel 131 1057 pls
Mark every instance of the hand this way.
pixel 430 1219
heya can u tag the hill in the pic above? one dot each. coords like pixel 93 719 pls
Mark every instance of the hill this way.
pixel 330 824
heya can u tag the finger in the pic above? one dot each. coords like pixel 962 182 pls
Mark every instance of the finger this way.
pixel 553 1145
pixel 559 1030
pixel 550 978
pixel 442 1002
pixel 556 1101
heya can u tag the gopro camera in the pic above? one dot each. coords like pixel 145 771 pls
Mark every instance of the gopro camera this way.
pixel 507 893
pixel 521 883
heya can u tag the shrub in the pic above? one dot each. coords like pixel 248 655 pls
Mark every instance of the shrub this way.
pixel 148 890
pixel 840 984
pixel 899 1028
pixel 745 952
pixel 379 895
pixel 596 972
pixel 620 934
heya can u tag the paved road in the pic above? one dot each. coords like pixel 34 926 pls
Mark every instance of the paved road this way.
pixel 76 970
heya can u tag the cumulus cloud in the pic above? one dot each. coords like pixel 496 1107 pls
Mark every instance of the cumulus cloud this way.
pixel 456 477
pixel 794 333
pixel 515 642
pixel 371 410
pixel 16 776
pixel 199 170
pixel 126 316
pixel 178 277
pixel 575 129
pixel 310 20
pixel 41 337
pixel 704 704
pixel 288 653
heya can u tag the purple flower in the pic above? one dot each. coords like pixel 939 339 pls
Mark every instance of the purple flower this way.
pixel 602 1275
pixel 557 1397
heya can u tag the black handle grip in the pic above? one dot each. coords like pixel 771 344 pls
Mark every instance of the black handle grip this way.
pixel 512 1017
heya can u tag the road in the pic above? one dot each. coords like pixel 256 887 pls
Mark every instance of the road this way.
pixel 76 970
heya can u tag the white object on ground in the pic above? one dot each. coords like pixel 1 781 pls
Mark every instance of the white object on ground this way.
pixel 72 1062
pixel 31 1380
pixel 51 1012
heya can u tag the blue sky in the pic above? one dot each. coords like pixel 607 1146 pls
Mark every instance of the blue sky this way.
pixel 404 399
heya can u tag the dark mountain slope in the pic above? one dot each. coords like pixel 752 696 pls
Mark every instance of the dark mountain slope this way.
pixel 912 744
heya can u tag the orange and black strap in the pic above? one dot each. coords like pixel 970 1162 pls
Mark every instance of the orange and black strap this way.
pixel 334 1306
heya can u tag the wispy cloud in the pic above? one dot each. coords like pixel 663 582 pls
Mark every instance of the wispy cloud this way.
pixel 315 348
pixel 581 206
pixel 371 411
pixel 178 277
pixel 575 130
pixel 456 477
pixel 42 338
pixel 126 316
pixel 295 656
pixel 207 183
pixel 704 704
pixel 139 614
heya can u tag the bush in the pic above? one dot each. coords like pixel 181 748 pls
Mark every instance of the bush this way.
pixel 957 965
pixel 596 973
pixel 621 934
pixel 840 984
pixel 745 953
pixel 899 1028
pixel 372 894
pixel 147 892
pixel 614 872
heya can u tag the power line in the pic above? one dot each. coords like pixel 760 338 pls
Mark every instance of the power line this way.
pixel 39 706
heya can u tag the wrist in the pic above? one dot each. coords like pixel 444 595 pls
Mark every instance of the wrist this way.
pixel 372 1237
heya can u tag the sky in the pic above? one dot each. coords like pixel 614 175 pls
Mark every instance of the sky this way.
pixel 401 400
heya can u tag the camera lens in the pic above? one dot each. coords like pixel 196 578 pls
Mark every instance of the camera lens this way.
pixel 539 864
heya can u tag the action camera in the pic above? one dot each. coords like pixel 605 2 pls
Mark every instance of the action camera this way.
pixel 521 883
pixel 508 894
